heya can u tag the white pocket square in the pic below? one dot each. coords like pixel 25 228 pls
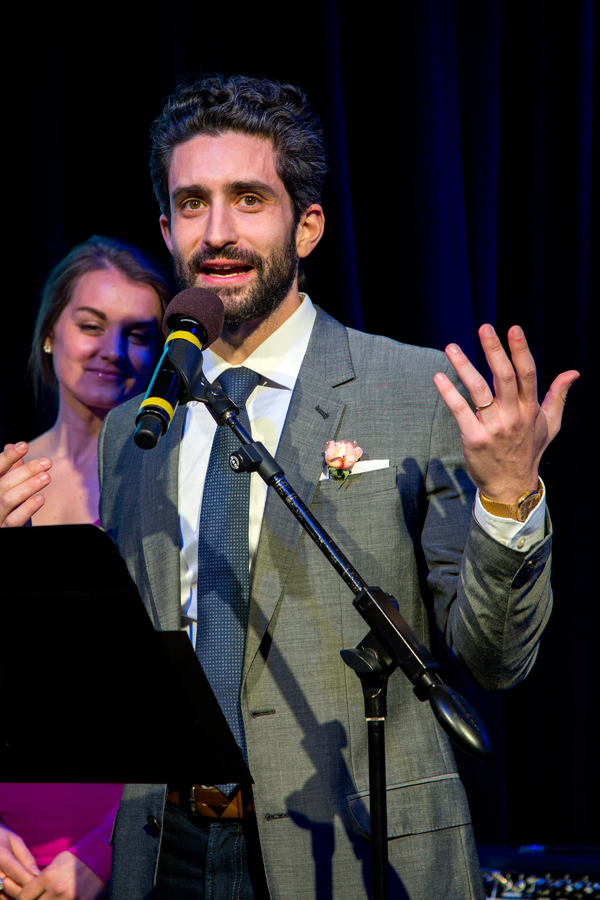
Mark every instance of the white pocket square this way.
pixel 363 465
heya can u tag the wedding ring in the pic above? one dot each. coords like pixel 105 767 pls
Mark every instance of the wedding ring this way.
pixel 485 405
pixel 1 884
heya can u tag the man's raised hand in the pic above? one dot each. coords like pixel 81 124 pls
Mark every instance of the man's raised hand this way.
pixel 504 439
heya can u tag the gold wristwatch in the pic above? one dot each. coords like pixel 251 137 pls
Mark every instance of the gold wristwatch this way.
pixel 519 510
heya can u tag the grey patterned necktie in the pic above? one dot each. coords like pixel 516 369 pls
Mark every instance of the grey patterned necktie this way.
pixel 223 577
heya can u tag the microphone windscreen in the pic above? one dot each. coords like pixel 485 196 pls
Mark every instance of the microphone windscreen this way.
pixel 200 304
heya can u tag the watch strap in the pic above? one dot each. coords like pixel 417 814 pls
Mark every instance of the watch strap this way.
pixel 519 510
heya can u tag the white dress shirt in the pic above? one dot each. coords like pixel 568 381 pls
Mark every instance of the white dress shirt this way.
pixel 277 361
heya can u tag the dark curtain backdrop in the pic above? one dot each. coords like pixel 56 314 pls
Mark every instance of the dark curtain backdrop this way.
pixel 460 192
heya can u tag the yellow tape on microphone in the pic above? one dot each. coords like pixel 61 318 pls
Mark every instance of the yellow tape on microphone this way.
pixel 184 336
pixel 158 401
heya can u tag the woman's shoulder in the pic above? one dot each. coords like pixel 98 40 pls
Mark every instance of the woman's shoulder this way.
pixel 42 445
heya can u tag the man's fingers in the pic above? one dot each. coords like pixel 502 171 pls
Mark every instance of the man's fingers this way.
pixel 456 403
pixel 524 365
pixel 506 388
pixel 475 383
pixel 553 403
pixel 503 442
pixel 515 379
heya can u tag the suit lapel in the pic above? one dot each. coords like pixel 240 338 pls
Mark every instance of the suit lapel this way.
pixel 161 534
pixel 327 363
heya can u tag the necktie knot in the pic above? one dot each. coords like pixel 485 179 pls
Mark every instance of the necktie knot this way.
pixel 238 383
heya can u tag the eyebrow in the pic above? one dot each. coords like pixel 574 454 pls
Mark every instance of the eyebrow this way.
pixel 104 317
pixel 95 312
pixel 234 187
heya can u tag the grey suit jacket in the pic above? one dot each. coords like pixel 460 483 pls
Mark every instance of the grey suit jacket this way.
pixel 408 528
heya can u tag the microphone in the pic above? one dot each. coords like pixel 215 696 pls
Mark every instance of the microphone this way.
pixel 193 320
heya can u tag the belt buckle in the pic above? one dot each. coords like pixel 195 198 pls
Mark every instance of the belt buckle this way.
pixel 194 803
pixel 192 799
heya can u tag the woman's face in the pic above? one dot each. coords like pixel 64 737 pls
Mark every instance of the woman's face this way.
pixel 105 341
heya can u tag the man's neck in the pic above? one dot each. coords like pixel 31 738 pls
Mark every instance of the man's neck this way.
pixel 237 342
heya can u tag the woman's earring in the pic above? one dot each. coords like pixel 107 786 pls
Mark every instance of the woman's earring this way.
pixel 47 347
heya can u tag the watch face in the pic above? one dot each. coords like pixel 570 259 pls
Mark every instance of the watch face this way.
pixel 527 505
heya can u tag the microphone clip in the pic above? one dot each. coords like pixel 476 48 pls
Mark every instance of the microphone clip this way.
pixel 187 362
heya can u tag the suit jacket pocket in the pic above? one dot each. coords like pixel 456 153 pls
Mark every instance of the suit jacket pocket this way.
pixel 418 806
pixel 363 485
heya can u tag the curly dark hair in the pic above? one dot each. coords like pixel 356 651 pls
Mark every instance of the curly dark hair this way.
pixel 256 107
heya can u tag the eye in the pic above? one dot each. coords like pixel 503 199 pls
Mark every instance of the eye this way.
pixel 141 334
pixel 192 203
pixel 250 201
pixel 90 327
pixel 140 337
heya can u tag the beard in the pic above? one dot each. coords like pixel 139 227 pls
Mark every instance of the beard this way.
pixel 275 274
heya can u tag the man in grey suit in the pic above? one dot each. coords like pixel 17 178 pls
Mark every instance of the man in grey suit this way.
pixel 457 533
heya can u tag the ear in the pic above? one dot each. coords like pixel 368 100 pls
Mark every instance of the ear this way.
pixel 166 233
pixel 310 230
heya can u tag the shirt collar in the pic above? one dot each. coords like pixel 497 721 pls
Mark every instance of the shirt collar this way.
pixel 279 357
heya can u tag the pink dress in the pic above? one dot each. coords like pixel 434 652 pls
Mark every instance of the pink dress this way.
pixel 51 817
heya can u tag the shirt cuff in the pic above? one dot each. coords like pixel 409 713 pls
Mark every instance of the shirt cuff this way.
pixel 521 536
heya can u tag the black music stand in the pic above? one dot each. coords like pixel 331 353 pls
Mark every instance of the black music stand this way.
pixel 90 691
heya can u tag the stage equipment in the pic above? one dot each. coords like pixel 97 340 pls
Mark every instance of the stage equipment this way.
pixel 89 688
pixel 193 320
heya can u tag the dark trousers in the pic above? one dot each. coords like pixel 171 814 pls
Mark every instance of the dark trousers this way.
pixel 204 859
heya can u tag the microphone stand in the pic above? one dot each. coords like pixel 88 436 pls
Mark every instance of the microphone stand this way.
pixel 390 644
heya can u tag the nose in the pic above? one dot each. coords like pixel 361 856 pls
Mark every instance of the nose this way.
pixel 220 226
pixel 113 346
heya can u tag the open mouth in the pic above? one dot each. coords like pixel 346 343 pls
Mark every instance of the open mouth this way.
pixel 224 271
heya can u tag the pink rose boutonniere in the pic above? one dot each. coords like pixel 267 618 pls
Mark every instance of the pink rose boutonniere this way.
pixel 340 457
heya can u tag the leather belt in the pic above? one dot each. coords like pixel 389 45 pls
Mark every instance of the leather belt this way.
pixel 208 801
